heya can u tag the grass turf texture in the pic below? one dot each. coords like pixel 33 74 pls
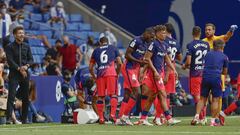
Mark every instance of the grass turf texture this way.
pixel 232 127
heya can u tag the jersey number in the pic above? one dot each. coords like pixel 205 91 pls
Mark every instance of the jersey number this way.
pixel 104 57
pixel 200 54
pixel 173 53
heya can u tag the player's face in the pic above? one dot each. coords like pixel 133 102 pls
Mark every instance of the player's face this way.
pixel 161 35
pixel 148 37
pixel 19 36
pixel 209 31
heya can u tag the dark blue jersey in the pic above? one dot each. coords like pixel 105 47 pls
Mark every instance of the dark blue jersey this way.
pixel 139 46
pixel 173 47
pixel 197 49
pixel 158 50
pixel 82 75
pixel 215 61
pixel 105 56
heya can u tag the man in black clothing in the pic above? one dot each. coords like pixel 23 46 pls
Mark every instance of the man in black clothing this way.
pixel 19 58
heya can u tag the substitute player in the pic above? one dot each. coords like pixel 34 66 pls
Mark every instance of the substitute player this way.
pixel 216 63
pixel 130 71
pixel 105 57
pixel 196 51
pixel 153 81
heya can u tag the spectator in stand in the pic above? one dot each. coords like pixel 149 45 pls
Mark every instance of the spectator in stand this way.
pixel 52 68
pixel 54 50
pixel 28 6
pixel 46 5
pixel 112 40
pixel 58 14
pixel 36 6
pixel 5 22
pixel 16 7
pixel 87 49
pixel 34 70
pixel 68 56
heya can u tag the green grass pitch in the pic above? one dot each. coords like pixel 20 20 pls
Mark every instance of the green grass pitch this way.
pixel 232 127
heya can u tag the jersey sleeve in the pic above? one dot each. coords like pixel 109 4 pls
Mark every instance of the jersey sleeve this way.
pixel 133 44
pixel 189 51
pixel 151 47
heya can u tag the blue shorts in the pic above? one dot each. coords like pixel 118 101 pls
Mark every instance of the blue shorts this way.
pixel 213 84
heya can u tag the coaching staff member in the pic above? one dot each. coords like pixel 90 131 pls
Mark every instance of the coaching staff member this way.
pixel 19 58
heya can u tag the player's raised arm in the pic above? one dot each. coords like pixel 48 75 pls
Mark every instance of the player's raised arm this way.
pixel 230 32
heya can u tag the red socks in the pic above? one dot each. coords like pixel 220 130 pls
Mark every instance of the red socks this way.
pixel 232 107
pixel 131 103
pixel 100 107
pixel 113 102
pixel 143 101
pixel 122 108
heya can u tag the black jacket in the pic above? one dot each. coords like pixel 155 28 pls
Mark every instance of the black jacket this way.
pixel 18 55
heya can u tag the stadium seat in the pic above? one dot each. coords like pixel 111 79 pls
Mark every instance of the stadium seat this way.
pixel 46 26
pixel 34 26
pixel 72 27
pixel 28 8
pixel 26 25
pixel 80 42
pixel 84 27
pixel 46 17
pixel 47 33
pixel 52 41
pixel 34 42
pixel 94 34
pixel 36 17
pixel 75 18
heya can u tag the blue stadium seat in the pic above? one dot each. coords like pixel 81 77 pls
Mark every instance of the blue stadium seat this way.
pixel 46 26
pixel 94 34
pixel 82 35
pixel 47 33
pixel 72 27
pixel 75 18
pixel 31 32
pixel 34 42
pixel 80 42
pixel 34 26
pixel 84 27
pixel 26 25
pixel 36 17
pixel 52 41
pixel 28 8
pixel 46 17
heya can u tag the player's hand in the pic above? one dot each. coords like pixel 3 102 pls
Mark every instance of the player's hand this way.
pixel 165 80
pixel 176 74
pixel 23 72
pixel 233 28
pixel 24 67
pixel 183 66
pixel 143 62
pixel 156 76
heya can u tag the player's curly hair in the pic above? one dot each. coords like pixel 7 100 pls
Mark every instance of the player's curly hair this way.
pixel 159 28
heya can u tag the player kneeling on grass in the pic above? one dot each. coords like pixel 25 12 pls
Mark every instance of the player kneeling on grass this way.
pixel 216 63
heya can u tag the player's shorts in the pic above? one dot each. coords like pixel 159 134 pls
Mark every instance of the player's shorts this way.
pixel 170 86
pixel 151 83
pixel 213 84
pixel 107 86
pixel 195 85
pixel 131 77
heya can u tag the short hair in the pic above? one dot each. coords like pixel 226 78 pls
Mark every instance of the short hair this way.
pixel 196 31
pixel 103 40
pixel 58 41
pixel 149 30
pixel 16 29
pixel 2 4
pixel 169 27
pixel 159 28
pixel 218 44
pixel 211 24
